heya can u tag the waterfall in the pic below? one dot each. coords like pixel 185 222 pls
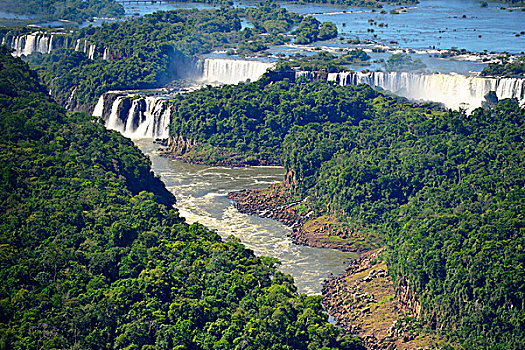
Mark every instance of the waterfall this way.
pixel 114 120
pixel 135 116
pixel 228 71
pixel 77 45
pixel 71 100
pixel 91 52
pixel 28 43
pixel 99 108
pixel 453 90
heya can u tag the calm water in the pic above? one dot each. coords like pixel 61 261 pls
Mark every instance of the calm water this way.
pixel 201 196
pixel 431 24
pixel 440 24
pixel 425 29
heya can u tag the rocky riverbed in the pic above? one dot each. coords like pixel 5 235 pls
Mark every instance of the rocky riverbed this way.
pixel 362 300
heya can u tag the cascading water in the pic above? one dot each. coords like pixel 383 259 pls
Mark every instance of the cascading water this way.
pixel 29 43
pixel 91 52
pixel 98 111
pixel 453 90
pixel 26 44
pixel 135 117
pixel 228 71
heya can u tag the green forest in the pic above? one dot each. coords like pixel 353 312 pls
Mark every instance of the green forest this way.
pixel 506 69
pixel 444 190
pixel 94 256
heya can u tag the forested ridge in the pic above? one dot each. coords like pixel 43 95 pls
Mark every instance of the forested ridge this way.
pixel 93 255
pixel 254 119
pixel 444 190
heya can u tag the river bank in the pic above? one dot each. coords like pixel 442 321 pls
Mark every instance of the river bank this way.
pixel 201 197
pixel 193 152
pixel 363 301
pixel 278 202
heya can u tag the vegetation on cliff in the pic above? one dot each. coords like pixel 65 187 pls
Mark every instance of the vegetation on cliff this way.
pixel 506 69
pixel 444 190
pixel 254 119
pixel 143 53
pixel 94 256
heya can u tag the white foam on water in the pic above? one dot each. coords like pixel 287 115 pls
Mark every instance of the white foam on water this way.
pixel 455 91
pixel 228 71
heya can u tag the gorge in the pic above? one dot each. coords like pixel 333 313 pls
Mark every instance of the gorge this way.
pixel 432 195
pixel 146 116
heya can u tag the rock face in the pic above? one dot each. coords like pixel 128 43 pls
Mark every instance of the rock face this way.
pixel 407 300
pixel 178 146
pixel 363 302
pixel 270 203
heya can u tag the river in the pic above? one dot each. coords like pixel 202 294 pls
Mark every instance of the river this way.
pixel 439 24
pixel 201 197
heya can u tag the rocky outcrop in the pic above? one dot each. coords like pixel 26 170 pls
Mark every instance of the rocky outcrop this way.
pixel 290 179
pixel 178 146
pixel 408 302
pixel 363 302
pixel 277 202
pixel 328 232
pixel 272 203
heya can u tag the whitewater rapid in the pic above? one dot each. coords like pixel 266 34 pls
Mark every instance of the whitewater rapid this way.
pixel 201 197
